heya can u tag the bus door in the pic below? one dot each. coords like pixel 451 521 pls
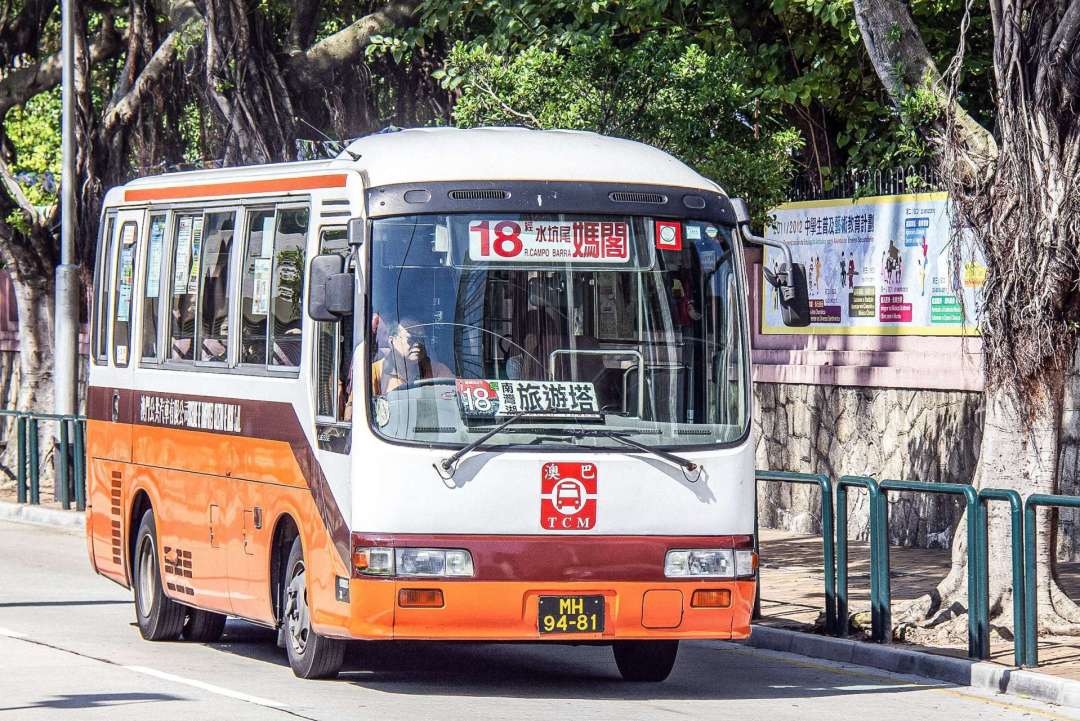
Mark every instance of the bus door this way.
pixel 128 231
pixel 109 446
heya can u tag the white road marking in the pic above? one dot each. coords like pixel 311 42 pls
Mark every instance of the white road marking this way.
pixel 11 634
pixel 221 691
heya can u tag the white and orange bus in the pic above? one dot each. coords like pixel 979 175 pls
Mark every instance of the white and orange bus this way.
pixel 484 384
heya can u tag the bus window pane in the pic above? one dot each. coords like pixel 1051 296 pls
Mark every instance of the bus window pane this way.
pixel 213 338
pixel 331 387
pixel 152 289
pixel 255 287
pixel 125 285
pixel 101 297
pixel 288 290
pixel 184 285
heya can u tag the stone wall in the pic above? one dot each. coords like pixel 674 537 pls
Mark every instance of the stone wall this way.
pixel 879 432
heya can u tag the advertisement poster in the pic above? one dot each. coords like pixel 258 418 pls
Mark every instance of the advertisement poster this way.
pixel 881 265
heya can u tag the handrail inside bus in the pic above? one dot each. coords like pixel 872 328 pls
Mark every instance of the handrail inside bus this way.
pixel 603 352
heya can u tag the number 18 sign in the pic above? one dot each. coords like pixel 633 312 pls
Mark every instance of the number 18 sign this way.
pixel 549 241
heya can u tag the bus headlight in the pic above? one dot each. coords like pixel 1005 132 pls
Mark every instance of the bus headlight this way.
pixel 433 562
pixel 745 563
pixel 700 563
pixel 373 561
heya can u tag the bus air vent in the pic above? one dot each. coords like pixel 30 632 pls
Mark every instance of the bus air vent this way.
pixel 480 194
pixel 621 196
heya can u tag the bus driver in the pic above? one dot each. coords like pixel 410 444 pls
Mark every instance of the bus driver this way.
pixel 407 360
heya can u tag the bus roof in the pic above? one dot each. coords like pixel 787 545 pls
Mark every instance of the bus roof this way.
pixel 449 154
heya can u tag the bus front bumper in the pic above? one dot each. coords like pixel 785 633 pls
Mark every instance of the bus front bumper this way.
pixel 473 610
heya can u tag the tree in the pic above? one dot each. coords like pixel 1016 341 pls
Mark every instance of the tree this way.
pixel 663 90
pixel 1015 188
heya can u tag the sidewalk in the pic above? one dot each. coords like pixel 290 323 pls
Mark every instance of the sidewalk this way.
pixel 793 593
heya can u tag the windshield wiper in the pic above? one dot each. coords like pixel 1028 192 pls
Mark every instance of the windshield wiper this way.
pixel 621 437
pixel 448 465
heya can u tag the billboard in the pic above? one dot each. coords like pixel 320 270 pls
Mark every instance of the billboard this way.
pixel 880 265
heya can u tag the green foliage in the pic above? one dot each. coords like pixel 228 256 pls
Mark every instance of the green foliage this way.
pixel 34 132
pixel 664 90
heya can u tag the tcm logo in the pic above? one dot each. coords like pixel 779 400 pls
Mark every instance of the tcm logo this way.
pixel 568 496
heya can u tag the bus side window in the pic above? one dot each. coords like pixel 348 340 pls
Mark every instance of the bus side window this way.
pixel 102 293
pixel 255 286
pixel 287 294
pixel 151 312
pixel 213 284
pixel 188 233
pixel 125 286
pixel 333 367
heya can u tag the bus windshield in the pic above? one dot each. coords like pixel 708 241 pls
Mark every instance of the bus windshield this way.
pixel 626 325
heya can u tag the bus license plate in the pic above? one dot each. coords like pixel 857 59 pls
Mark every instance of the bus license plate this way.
pixel 571 614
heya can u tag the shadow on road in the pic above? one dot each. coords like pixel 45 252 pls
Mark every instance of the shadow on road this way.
pixel 40 604
pixel 521 670
pixel 94 700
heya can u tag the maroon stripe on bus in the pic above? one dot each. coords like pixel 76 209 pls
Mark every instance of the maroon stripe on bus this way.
pixel 554 559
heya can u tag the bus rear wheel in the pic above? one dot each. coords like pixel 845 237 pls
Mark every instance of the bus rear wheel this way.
pixel 159 617
pixel 310 655
pixel 203 626
pixel 645 660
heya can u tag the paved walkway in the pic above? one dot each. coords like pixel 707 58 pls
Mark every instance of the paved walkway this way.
pixel 793 592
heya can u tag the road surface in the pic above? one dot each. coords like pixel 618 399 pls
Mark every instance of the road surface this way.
pixel 69 649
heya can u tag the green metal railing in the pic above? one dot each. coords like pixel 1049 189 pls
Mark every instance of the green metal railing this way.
pixel 1031 601
pixel 1016 538
pixel 976 613
pixel 70 461
pixel 827 549
pixel 872 489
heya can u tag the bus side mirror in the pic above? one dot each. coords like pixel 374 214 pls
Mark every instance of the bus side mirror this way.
pixel 357 232
pixel 790 284
pixel 794 297
pixel 330 289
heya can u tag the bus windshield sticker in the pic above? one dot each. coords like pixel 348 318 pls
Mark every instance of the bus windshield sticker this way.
pixel 490 398
pixel 183 255
pixel 549 241
pixel 668 235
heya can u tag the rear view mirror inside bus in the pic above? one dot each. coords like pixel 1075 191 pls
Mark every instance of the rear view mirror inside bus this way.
pixel 330 289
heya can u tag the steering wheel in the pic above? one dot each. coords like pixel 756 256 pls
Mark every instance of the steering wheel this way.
pixel 422 382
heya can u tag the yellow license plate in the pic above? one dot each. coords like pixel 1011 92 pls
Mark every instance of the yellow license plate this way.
pixel 571 614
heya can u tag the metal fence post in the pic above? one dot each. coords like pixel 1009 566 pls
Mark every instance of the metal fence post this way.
pixel 20 463
pixel 828 555
pixel 79 464
pixel 1031 603
pixel 32 459
pixel 61 462
pixel 1017 557
pixel 872 489
pixel 974 556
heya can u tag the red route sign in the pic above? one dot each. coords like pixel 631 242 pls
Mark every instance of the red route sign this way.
pixel 568 496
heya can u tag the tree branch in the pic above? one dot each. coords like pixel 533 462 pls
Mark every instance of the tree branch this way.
pixel 903 64
pixel 33 215
pixel 126 107
pixel 350 43
pixel 21 84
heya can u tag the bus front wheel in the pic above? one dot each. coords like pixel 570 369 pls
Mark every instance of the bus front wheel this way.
pixel 645 660
pixel 310 655
pixel 159 617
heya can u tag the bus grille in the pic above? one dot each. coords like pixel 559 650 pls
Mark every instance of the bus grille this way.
pixel 621 196
pixel 479 194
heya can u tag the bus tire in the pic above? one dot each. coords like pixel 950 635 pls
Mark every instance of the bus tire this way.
pixel 203 626
pixel 310 655
pixel 645 660
pixel 159 617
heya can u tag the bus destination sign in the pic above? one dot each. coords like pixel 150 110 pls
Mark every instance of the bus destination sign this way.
pixel 549 241
pixel 488 398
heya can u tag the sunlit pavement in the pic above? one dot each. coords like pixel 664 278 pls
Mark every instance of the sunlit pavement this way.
pixel 69 649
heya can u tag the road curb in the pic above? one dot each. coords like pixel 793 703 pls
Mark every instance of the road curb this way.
pixel 961 671
pixel 38 515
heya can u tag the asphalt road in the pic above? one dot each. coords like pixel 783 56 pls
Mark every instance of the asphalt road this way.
pixel 69 649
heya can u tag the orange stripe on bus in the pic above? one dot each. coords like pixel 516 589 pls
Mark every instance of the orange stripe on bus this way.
pixel 273 185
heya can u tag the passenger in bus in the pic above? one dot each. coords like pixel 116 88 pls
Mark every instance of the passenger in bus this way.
pixel 523 363
pixel 408 360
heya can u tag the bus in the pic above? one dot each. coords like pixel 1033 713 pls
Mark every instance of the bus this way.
pixel 451 385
